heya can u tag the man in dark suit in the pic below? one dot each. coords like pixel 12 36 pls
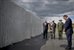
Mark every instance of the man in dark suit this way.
pixel 45 24
pixel 69 31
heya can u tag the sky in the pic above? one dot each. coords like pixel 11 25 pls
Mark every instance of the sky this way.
pixel 50 8
pixel 56 19
pixel 72 17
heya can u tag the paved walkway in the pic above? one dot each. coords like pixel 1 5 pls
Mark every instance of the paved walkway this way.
pixel 38 43
pixel 57 44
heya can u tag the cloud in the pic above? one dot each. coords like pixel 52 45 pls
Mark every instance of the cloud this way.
pixel 49 7
pixel 71 0
pixel 62 0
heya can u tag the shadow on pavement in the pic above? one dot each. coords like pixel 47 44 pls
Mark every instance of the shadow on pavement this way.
pixel 64 46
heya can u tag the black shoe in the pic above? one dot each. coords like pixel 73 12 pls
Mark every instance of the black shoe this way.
pixel 51 37
pixel 67 48
pixel 43 37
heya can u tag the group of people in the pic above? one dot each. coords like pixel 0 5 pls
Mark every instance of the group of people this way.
pixel 66 27
pixel 51 28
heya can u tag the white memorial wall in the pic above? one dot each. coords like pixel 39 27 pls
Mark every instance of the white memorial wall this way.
pixel 17 24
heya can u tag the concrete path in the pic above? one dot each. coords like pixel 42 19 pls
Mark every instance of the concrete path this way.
pixel 38 43
pixel 56 44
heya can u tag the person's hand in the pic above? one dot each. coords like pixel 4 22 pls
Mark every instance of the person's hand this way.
pixel 64 30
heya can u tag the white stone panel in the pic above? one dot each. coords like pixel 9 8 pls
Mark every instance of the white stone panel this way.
pixel 17 24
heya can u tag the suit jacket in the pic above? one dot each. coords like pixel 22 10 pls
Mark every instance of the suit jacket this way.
pixel 68 26
pixel 45 26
